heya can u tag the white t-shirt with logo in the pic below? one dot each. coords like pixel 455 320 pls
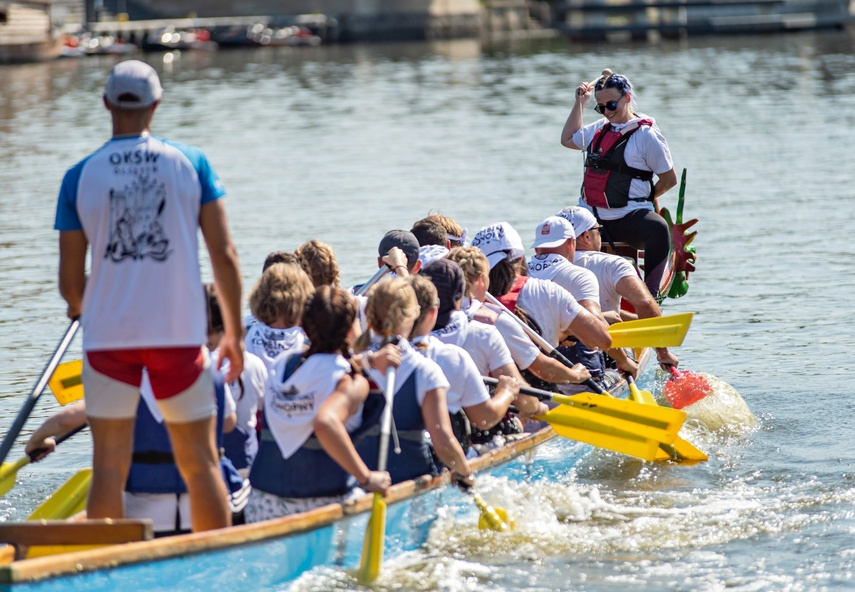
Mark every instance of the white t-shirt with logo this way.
pixel 580 282
pixel 609 270
pixel 268 343
pixel 137 200
pixel 247 399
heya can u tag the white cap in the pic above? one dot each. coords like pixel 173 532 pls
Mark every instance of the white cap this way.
pixel 581 218
pixel 552 232
pixel 499 241
pixel 133 85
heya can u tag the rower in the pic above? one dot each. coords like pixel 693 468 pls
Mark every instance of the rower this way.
pixel 617 277
pixel 276 302
pixel 526 355
pixel 552 309
pixel 420 392
pixel 315 405
pixel 319 262
pixel 467 397
pixel 555 245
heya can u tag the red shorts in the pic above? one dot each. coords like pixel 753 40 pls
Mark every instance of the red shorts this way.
pixel 171 370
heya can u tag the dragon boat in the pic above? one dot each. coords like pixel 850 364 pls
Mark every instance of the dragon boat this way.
pixel 105 555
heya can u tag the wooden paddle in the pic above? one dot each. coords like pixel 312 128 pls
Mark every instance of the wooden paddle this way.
pixel 685 388
pixel 680 450
pixel 9 471
pixel 38 389
pixel 614 424
pixel 375 533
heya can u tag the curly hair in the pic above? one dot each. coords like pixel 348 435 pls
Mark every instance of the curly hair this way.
pixel 318 260
pixel 327 317
pixel 280 293
pixel 454 232
pixel 390 303
pixel 472 261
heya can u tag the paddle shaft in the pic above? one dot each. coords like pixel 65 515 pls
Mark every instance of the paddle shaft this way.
pixel 386 420
pixel 38 389
pixel 543 343
pixel 374 279
pixel 35 453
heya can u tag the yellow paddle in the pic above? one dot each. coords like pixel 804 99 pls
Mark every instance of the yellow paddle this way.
pixel 665 331
pixel 492 518
pixel 9 471
pixel 66 383
pixel 37 391
pixel 66 501
pixel 680 450
pixel 375 533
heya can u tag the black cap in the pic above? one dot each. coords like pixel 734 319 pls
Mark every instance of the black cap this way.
pixel 447 277
pixel 404 240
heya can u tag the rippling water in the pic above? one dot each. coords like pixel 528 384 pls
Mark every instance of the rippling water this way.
pixel 343 143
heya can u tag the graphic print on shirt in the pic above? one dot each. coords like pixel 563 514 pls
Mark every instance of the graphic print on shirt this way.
pixel 291 402
pixel 276 341
pixel 135 228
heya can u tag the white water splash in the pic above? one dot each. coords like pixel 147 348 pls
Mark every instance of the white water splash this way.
pixel 723 410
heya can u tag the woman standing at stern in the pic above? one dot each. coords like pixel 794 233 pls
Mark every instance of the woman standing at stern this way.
pixel 624 150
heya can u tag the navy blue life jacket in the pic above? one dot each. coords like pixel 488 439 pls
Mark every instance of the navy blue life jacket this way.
pixel 416 457
pixel 309 472
pixel 153 468
pixel 240 446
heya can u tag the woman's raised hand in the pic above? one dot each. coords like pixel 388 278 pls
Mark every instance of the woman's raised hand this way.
pixel 583 92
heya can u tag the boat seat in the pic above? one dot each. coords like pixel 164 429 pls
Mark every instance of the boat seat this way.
pixel 22 535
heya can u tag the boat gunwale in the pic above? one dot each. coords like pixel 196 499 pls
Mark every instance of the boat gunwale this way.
pixel 90 560
pixel 77 562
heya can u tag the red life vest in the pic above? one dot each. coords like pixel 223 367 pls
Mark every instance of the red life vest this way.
pixel 510 299
pixel 607 176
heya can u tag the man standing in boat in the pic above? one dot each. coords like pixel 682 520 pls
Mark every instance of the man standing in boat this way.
pixel 139 201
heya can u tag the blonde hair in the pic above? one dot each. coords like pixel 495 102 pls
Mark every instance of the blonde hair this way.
pixel 452 228
pixel 472 261
pixel 318 260
pixel 390 303
pixel 280 292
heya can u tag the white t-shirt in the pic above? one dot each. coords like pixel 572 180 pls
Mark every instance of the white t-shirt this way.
pixel 646 150
pixel 609 270
pixel 254 378
pixel 290 406
pixel 268 343
pixel 523 351
pixel 482 342
pixel 429 375
pixel 466 389
pixel 137 200
pixel 551 306
pixel 580 282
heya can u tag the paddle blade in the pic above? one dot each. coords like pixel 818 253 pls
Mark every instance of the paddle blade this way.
pixel 66 383
pixel 685 388
pixel 570 425
pixel 9 471
pixel 666 331
pixel 372 547
pixel 492 518
pixel 66 501
pixel 680 450
pixel 650 422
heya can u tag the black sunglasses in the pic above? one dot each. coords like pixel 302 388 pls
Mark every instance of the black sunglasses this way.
pixel 597 228
pixel 611 106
